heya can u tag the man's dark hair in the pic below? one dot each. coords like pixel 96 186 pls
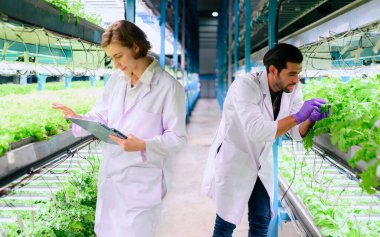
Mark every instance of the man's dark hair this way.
pixel 280 54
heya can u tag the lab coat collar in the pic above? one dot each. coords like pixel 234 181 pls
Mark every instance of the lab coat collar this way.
pixel 147 76
pixel 146 79
pixel 263 79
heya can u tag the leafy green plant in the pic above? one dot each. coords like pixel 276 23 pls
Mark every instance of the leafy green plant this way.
pixel 31 115
pixel 17 89
pixel 332 213
pixel 71 214
pixel 76 8
pixel 324 108
pixel 354 111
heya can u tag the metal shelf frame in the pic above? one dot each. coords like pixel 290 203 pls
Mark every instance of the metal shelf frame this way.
pixel 301 212
pixel 323 144
pixel 41 14
pixel 26 159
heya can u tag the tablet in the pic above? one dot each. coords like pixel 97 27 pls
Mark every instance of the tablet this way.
pixel 99 130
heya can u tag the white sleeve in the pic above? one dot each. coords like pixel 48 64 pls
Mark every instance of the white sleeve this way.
pixel 246 97
pixel 174 136
pixel 99 112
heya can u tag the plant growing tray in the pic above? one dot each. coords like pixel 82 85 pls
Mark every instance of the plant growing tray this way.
pixel 24 159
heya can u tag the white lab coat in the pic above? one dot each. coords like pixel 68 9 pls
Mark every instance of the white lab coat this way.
pixel 132 184
pixel 246 132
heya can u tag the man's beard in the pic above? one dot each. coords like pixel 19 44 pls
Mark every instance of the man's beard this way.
pixel 283 88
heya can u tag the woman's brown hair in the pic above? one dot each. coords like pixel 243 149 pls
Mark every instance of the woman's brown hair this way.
pixel 126 33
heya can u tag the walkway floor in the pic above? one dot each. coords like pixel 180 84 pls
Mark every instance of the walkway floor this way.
pixel 186 212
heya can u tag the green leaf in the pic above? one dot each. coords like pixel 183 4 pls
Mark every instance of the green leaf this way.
pixel 353 233
pixel 324 108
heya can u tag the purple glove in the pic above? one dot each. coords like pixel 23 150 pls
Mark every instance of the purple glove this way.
pixel 307 108
pixel 316 115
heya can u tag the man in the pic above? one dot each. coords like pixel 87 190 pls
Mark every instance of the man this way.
pixel 258 108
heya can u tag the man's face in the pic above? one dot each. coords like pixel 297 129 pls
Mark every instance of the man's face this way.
pixel 287 79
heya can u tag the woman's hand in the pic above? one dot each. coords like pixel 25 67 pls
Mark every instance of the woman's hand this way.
pixel 67 112
pixel 132 143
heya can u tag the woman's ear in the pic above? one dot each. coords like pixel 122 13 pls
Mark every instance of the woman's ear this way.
pixel 135 51
pixel 136 48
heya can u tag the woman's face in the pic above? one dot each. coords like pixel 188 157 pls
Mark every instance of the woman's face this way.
pixel 123 58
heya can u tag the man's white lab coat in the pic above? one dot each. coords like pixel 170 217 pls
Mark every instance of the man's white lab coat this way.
pixel 246 133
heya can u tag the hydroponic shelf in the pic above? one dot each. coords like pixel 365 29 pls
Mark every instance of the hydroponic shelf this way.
pixel 25 159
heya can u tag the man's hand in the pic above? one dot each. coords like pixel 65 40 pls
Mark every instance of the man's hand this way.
pixel 316 115
pixel 307 108
pixel 132 143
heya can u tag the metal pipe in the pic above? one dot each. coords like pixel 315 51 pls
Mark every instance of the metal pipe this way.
pixel 273 225
pixel 162 26
pixel 272 31
pixel 130 8
pixel 229 48
pixel 300 211
pixel 247 35
pixel 236 35
pixel 175 53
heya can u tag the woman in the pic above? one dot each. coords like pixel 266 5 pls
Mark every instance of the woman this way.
pixel 148 105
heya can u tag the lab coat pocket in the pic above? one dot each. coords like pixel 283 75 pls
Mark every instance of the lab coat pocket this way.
pixel 232 162
pixel 143 187
pixel 266 156
pixel 148 125
pixel 234 180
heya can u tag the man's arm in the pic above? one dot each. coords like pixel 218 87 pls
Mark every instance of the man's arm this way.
pixel 249 112
pixel 304 128
pixel 289 122
pixel 302 118
pixel 315 116
pixel 285 125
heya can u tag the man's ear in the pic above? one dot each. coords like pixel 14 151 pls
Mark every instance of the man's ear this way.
pixel 272 69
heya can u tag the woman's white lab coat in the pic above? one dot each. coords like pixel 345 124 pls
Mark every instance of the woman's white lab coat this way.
pixel 132 184
pixel 246 133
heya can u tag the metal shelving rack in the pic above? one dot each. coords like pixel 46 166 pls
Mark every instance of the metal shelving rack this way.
pixel 342 179
pixel 28 158
pixel 24 13
pixel 40 14
pixel 323 144
pixel 26 192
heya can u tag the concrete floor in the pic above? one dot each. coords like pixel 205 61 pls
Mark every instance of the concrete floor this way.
pixel 186 212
